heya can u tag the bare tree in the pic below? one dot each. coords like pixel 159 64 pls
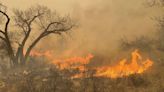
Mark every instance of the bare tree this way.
pixel 39 19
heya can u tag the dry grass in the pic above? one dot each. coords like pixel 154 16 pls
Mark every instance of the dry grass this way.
pixel 46 78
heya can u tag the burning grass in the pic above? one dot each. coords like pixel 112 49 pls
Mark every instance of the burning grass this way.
pixel 135 66
pixel 124 68
pixel 43 77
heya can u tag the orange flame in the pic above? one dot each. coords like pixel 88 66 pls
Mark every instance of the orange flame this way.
pixel 123 68
pixel 74 62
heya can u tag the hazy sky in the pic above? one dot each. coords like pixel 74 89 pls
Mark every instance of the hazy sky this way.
pixel 101 22
pixel 60 5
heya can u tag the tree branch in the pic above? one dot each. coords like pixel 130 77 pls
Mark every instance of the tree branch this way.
pixel 2 32
pixel 7 22
pixel 29 28
pixel 57 31
pixel 36 16
pixel 2 38
pixel 7 40
pixel 22 26
pixel 26 31
pixel 51 25
pixel 44 34
pixel 33 45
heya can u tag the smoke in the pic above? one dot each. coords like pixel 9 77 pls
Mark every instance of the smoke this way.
pixel 101 24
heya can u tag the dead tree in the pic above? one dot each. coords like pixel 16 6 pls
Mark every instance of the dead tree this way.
pixel 39 19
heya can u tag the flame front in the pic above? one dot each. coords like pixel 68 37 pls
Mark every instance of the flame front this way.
pixel 123 68
pixel 74 62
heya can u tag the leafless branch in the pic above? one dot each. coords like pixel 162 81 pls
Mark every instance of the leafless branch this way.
pixel 49 25
pixel 2 32
pixel 41 17
pixel 2 38
pixel 7 22
pixel 36 16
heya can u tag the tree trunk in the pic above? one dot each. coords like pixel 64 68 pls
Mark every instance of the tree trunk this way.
pixel 20 56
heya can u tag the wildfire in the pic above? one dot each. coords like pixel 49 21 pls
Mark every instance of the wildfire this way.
pixel 124 68
pixel 74 62
pixel 136 66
